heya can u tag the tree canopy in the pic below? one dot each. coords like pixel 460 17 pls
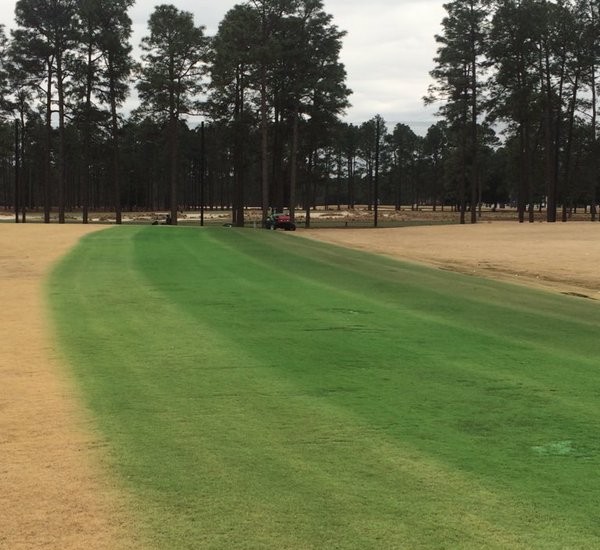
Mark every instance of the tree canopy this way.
pixel 515 82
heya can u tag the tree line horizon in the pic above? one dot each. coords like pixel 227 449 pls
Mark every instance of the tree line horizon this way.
pixel 516 83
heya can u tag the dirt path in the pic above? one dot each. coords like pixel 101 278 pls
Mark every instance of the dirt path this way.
pixel 560 257
pixel 55 491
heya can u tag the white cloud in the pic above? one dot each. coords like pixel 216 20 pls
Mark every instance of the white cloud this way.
pixel 388 54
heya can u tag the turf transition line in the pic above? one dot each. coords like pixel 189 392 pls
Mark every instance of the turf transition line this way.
pixel 262 392
pixel 557 257
pixel 54 489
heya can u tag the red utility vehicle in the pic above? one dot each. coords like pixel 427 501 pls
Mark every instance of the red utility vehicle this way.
pixel 280 221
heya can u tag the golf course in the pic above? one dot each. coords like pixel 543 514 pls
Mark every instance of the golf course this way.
pixel 262 391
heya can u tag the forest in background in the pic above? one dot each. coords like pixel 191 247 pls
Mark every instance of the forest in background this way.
pixel 515 81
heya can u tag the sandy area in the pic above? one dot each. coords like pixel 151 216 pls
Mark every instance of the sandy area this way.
pixel 56 491
pixel 564 257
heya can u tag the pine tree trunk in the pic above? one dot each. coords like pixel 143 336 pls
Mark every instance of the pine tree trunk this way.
pixel 174 150
pixel 264 146
pixel 48 144
pixel 85 184
pixel 61 140
pixel 294 166
pixel 116 161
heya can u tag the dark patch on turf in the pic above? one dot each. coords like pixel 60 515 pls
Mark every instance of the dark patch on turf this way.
pixel 578 295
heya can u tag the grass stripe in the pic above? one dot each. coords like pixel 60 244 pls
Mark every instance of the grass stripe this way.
pixel 260 390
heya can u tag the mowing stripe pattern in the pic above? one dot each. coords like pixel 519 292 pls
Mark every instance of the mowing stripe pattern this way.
pixel 258 390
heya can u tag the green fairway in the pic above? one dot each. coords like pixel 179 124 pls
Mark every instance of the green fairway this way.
pixel 259 390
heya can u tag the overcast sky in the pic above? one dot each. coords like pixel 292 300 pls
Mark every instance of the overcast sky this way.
pixel 388 50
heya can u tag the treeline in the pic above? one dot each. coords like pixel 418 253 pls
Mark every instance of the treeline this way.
pixel 270 86
pixel 271 89
pixel 530 67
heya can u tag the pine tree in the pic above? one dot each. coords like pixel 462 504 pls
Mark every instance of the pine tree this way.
pixel 457 74
pixel 46 33
pixel 171 74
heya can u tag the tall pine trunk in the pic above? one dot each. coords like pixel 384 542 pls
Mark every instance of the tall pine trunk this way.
pixel 116 152
pixel 549 137
pixel 474 134
pixel 48 142
pixel 85 184
pixel 238 168
pixel 294 165
pixel 594 148
pixel 62 176
pixel 173 152
pixel 264 143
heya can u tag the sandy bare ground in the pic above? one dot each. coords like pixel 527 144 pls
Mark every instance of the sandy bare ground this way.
pixel 55 490
pixel 560 257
